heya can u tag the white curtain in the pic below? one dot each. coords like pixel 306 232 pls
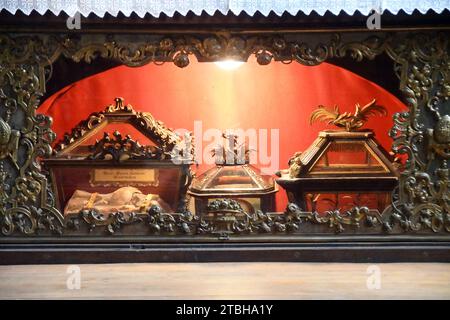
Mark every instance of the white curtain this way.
pixel 169 7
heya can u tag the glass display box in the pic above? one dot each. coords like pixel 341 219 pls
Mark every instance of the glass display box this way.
pixel 341 170
pixel 243 183
pixel 97 168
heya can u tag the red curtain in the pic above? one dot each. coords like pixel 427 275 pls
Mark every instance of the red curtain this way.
pixel 277 96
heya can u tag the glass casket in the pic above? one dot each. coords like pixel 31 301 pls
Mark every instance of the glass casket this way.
pixel 97 168
pixel 341 170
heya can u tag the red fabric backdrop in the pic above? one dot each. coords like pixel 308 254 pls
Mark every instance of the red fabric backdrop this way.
pixel 276 96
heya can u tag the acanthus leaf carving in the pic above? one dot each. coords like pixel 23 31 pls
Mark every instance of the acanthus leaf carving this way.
pixel 26 207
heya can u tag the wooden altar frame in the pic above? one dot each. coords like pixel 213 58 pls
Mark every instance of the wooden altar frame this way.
pixel 415 228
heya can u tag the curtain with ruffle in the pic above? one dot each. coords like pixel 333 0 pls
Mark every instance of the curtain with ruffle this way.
pixel 170 7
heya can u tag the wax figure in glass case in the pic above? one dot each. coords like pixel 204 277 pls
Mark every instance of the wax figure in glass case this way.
pixel 124 199
pixel 342 169
pixel 95 167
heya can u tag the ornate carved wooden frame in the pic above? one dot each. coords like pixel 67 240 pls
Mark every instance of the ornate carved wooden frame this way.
pixel 421 203
pixel 144 122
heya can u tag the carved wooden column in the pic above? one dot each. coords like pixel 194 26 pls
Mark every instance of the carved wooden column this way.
pixel 423 134
pixel 26 203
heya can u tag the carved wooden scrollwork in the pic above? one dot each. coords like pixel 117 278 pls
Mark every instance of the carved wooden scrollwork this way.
pixel 27 205
pixel 112 222
pixel 227 219
pixel 421 61
pixel 120 148
pixel 423 67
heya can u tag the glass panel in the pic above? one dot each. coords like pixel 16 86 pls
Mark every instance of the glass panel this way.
pixel 348 157
pixel 322 202
pixel 233 177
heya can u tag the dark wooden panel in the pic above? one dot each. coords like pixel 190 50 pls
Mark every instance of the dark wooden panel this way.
pixel 261 252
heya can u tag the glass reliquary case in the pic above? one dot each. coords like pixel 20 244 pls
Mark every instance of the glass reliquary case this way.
pixel 120 160
pixel 342 169
pixel 233 189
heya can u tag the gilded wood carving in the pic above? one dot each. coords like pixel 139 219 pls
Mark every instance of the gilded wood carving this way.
pixel 421 61
pixel 155 130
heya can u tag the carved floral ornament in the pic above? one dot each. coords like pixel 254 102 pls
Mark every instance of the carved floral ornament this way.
pixel 421 62
pixel 120 148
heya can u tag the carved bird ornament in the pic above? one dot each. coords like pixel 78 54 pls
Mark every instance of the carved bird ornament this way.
pixel 347 120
